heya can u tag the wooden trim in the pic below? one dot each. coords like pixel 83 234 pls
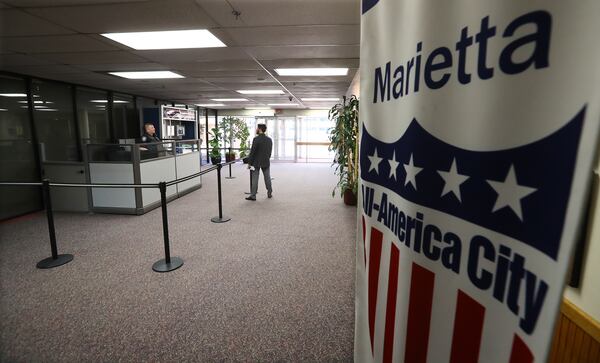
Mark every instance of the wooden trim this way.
pixel 581 319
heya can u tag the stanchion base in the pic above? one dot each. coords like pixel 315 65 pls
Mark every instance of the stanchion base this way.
pixel 58 261
pixel 220 220
pixel 230 177
pixel 163 266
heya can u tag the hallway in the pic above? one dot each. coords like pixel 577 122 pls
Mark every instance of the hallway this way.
pixel 276 283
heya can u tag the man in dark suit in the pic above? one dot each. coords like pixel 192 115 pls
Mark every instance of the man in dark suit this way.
pixel 262 145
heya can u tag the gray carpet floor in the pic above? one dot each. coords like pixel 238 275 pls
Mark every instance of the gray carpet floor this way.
pixel 275 284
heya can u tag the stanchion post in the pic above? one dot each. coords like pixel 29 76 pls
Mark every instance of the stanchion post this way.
pixel 220 218
pixel 230 177
pixel 55 260
pixel 167 264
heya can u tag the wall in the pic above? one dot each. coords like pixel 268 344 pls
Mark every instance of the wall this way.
pixel 587 297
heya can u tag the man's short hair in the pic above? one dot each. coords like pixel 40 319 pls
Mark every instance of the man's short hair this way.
pixel 262 127
pixel 148 124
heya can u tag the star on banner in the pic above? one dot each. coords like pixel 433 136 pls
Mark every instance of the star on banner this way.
pixel 374 161
pixel 452 180
pixel 510 193
pixel 411 173
pixel 393 166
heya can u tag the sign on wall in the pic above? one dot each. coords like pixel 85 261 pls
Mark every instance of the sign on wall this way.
pixel 479 127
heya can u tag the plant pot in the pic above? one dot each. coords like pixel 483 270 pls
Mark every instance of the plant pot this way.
pixel 229 157
pixel 215 159
pixel 349 197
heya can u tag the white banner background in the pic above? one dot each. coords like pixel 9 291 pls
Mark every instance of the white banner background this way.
pixel 484 115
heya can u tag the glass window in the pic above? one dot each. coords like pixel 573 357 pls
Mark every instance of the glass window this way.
pixel 125 118
pixel 92 114
pixel 54 121
pixel 17 153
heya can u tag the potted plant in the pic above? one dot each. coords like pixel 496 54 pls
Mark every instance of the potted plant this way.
pixel 215 150
pixel 244 135
pixel 343 137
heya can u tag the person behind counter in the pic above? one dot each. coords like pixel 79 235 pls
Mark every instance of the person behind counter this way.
pixel 150 136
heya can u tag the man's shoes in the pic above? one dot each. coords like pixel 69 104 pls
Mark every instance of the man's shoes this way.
pixel 251 198
pixel 270 195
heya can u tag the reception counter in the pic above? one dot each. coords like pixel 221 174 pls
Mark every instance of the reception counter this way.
pixel 140 164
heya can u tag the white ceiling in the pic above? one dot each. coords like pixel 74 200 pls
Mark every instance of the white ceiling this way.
pixel 59 39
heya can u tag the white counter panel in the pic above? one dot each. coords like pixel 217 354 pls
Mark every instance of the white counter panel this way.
pixel 113 174
pixel 188 164
pixel 156 171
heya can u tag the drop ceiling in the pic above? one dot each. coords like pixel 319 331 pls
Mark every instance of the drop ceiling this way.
pixel 59 39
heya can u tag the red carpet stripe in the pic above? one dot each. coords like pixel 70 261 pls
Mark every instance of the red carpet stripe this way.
pixel 419 314
pixel 374 263
pixel 390 312
pixel 520 352
pixel 468 326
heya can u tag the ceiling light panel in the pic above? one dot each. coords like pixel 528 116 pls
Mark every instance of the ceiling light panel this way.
pixel 261 92
pixel 174 39
pixel 147 75
pixel 317 72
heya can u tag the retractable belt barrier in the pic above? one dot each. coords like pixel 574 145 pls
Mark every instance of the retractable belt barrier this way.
pixel 164 265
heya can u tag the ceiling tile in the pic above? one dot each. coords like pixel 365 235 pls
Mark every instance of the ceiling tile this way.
pixel 227 65
pixel 112 57
pixel 46 3
pixel 284 12
pixel 129 16
pixel 44 70
pixel 54 44
pixel 122 67
pixel 307 51
pixel 297 35
pixel 18 23
pixel 21 60
pixel 312 63
pixel 193 55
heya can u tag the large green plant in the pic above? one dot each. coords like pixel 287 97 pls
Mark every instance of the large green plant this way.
pixel 233 129
pixel 244 135
pixel 343 137
pixel 215 149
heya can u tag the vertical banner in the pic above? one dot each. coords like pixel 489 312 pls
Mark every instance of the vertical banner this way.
pixel 480 121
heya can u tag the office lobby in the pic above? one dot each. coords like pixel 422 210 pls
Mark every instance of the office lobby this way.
pixel 452 217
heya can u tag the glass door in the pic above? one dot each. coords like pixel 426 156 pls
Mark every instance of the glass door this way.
pixel 283 132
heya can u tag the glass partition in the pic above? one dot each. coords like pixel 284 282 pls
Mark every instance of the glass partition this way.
pixel 187 146
pixel 156 150
pixel 92 114
pixel 54 121
pixel 109 153
pixel 125 118
pixel 17 152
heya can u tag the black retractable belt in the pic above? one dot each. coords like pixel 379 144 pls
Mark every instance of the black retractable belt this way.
pixel 55 260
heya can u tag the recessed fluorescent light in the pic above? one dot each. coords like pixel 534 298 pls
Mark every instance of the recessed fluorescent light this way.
pixel 229 99
pixel 147 75
pixel 173 39
pixel 312 71
pixel 283 104
pixel 261 92
pixel 47 109
pixel 106 101
pixel 211 105
pixel 13 95
pixel 3 109
pixel 321 99
pixel 36 102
